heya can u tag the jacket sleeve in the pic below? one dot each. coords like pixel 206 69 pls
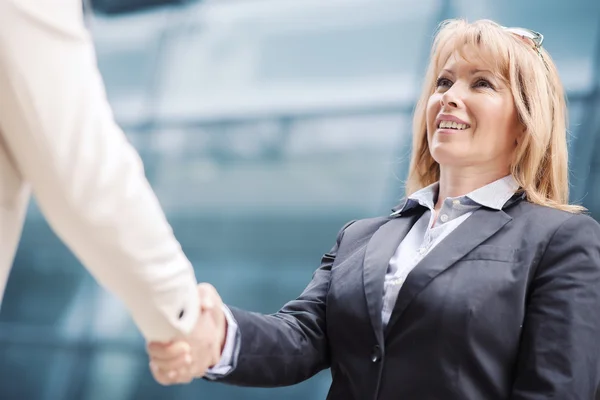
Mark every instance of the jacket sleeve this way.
pixel 559 356
pixel 291 345
pixel 89 182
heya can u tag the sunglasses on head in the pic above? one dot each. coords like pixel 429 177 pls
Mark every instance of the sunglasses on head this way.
pixel 533 38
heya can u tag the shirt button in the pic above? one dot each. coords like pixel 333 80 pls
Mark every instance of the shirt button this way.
pixel 444 218
pixel 422 250
pixel 456 202
pixel 376 354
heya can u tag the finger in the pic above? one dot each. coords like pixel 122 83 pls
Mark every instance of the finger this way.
pixel 178 373
pixel 159 344
pixel 168 352
pixel 174 364
pixel 163 377
pixel 171 377
pixel 207 294
pixel 183 376
pixel 170 346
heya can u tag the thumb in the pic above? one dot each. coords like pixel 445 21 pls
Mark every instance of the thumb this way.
pixel 207 294
pixel 211 304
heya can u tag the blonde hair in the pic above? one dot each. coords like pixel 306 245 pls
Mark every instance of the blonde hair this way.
pixel 540 163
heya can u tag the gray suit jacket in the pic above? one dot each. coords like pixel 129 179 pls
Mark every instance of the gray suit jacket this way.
pixel 506 307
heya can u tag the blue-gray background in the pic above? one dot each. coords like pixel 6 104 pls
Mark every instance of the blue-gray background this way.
pixel 264 126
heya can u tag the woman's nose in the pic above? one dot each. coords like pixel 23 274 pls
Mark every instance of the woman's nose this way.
pixel 451 98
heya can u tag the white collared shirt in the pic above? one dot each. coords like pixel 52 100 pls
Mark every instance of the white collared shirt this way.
pixel 425 235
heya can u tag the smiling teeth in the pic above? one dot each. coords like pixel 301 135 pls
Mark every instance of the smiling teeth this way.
pixel 452 125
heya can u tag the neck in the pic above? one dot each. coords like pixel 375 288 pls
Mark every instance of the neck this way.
pixel 456 182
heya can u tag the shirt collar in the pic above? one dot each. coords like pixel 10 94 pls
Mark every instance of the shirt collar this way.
pixel 493 195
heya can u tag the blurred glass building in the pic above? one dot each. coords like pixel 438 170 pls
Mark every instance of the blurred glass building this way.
pixel 264 126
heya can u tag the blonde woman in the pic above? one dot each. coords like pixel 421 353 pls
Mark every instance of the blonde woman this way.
pixel 483 284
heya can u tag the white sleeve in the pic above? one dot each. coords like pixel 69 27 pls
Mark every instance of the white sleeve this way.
pixel 88 180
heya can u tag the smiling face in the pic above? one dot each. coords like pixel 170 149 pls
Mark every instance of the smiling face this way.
pixel 506 91
pixel 471 116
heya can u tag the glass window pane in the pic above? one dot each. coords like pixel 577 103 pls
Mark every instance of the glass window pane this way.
pixel 324 165
pixel 277 56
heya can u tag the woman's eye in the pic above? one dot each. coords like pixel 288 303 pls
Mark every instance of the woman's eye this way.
pixel 443 82
pixel 483 83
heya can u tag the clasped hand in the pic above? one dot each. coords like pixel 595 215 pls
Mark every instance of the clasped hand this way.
pixel 181 361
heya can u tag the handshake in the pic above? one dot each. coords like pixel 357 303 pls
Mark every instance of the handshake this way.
pixel 183 360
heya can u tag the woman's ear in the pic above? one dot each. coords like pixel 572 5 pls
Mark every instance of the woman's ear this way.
pixel 520 134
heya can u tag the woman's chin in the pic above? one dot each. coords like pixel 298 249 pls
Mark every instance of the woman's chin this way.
pixel 449 154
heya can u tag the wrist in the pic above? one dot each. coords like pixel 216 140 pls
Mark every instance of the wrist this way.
pixel 224 334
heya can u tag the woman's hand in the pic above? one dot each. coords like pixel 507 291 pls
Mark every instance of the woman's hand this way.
pixel 183 360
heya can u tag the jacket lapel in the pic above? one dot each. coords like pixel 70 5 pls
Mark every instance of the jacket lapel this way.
pixel 472 232
pixel 379 251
